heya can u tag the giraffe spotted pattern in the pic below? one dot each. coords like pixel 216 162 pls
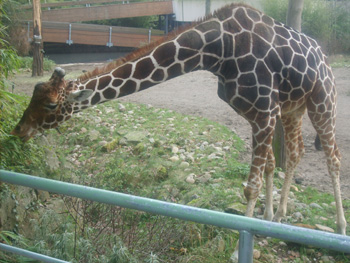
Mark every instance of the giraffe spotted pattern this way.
pixel 265 71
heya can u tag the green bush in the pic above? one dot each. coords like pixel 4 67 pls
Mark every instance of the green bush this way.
pixel 26 63
pixel 325 21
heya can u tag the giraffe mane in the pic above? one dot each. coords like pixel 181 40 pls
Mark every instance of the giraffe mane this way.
pixel 140 52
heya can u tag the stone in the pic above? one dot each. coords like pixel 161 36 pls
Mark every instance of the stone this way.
pixel 174 158
pixel 190 179
pixel 327 259
pixel 314 205
pixel 212 156
pixel 221 245
pixel 102 143
pixel 298 216
pixel 294 188
pixel 324 228
pixel 204 178
pixel 236 209
pixel 97 119
pixel 184 164
pixel 299 180
pixel 83 130
pixel 282 244
pixel 281 175
pixel 256 254
pixel 135 137
pixel 174 149
pixel 94 135
pixel 50 156
pixel 121 107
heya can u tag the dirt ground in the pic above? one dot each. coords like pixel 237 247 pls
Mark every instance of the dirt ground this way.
pixel 195 94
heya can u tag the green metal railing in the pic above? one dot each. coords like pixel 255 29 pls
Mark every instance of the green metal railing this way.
pixel 247 227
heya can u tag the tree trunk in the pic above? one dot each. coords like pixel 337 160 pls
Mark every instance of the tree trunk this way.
pixel 295 8
pixel 37 67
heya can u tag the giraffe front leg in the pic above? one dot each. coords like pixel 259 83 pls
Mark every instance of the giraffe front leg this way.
pixel 294 151
pixel 282 208
pixel 262 151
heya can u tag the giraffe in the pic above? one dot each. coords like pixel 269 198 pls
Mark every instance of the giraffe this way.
pixel 265 71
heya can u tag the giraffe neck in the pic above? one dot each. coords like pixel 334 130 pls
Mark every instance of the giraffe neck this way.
pixel 194 49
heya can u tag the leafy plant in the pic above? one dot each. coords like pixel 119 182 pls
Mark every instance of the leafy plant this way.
pixel 326 21
pixel 26 63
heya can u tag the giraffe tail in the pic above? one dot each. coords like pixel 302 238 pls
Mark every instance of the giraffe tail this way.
pixel 317 143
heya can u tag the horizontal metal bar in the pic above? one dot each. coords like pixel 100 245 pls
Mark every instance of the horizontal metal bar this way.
pixel 30 254
pixel 255 226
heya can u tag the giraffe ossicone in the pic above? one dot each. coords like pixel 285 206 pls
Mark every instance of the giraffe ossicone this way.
pixel 265 71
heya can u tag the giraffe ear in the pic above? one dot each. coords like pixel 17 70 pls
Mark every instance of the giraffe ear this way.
pixel 79 95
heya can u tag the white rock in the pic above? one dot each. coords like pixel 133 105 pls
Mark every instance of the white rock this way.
pixel 94 135
pixel 121 108
pixel 184 164
pixel 102 143
pixel 174 158
pixel 281 175
pixel 212 156
pixel 324 228
pixel 190 179
pixel 314 205
pixel 256 254
pixel 204 178
pixel 174 149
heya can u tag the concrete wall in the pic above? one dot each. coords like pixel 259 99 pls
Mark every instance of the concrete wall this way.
pixel 191 10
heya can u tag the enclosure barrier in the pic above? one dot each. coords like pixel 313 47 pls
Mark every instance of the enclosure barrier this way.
pixel 247 227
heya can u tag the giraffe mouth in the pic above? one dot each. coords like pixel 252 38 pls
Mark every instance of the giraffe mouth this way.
pixel 25 136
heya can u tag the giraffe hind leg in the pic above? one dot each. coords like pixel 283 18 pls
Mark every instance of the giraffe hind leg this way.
pixel 327 138
pixel 322 115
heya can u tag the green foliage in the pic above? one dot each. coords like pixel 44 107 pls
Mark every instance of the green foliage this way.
pixel 14 154
pixel 9 62
pixel 26 63
pixel 326 21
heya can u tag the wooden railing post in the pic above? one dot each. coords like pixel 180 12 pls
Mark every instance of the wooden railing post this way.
pixel 38 57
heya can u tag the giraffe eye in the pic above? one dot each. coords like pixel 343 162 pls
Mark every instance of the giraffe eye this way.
pixel 51 106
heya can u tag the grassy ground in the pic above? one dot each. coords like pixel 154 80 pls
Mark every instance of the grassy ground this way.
pixel 156 153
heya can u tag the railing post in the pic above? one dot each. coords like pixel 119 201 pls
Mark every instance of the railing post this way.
pixel 109 43
pixel 246 246
pixel 69 41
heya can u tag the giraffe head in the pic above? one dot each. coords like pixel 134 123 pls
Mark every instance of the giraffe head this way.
pixel 51 104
